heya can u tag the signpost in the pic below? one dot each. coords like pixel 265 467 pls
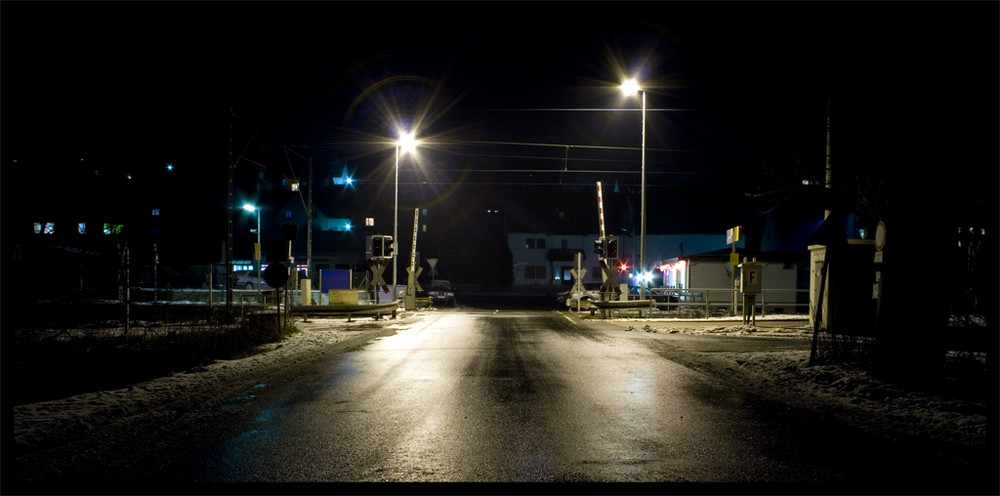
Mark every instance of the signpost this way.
pixel 378 267
pixel 733 237
pixel 751 283
pixel 578 274
pixel 382 252
pixel 432 262
pixel 877 287
pixel 276 276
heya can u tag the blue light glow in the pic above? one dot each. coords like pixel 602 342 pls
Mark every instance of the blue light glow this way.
pixel 344 180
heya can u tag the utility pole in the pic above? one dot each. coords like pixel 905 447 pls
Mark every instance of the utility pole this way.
pixel 229 239
pixel 307 203
pixel 829 162
pixel 309 226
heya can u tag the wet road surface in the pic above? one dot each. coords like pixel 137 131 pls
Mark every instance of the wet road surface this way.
pixel 476 396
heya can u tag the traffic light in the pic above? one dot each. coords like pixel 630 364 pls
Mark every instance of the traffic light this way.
pixel 387 246
pixel 599 247
pixel 381 246
pixel 611 247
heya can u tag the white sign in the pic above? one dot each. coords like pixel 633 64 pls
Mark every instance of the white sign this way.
pixel 733 235
pixel 880 236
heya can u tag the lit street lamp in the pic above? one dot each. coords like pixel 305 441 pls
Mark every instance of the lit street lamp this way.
pixel 250 208
pixel 406 144
pixel 630 87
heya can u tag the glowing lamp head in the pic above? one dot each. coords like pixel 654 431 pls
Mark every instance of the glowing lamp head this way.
pixel 630 87
pixel 407 143
pixel 249 208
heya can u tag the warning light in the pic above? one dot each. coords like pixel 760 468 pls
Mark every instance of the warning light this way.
pixel 611 247
pixel 599 247
pixel 381 246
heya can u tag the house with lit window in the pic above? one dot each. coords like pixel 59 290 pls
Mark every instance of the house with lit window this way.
pixel 545 261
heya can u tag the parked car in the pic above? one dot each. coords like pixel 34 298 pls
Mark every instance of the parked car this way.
pixel 591 292
pixel 660 295
pixel 247 279
pixel 440 293
pixel 196 276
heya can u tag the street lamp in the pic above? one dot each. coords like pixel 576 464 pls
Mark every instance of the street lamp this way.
pixel 630 87
pixel 250 208
pixel 405 144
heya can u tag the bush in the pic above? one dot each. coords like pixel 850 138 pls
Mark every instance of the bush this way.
pixel 52 364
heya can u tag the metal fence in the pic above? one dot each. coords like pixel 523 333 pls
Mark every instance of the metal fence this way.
pixel 720 301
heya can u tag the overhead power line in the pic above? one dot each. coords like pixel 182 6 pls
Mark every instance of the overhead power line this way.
pixel 557 145
pixel 553 171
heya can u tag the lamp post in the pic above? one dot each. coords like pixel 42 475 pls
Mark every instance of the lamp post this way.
pixel 405 143
pixel 630 87
pixel 250 208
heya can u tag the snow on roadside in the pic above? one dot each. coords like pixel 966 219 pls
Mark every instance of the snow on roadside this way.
pixel 847 393
pixel 50 421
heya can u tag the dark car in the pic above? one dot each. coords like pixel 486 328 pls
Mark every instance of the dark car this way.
pixel 440 293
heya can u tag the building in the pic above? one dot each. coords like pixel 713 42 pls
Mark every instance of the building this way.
pixel 709 278
pixel 544 262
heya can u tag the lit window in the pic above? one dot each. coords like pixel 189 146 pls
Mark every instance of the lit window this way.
pixel 38 227
pixel 156 212
pixel 50 228
pixel 81 228
pixel 288 214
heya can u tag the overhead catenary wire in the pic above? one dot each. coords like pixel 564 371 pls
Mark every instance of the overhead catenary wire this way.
pixel 437 144
pixel 553 171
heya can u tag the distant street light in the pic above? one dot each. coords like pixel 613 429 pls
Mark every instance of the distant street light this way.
pixel 250 208
pixel 405 144
pixel 630 87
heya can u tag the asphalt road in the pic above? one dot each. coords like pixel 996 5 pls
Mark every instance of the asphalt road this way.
pixel 525 397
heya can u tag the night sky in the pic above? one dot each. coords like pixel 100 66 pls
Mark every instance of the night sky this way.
pixel 737 99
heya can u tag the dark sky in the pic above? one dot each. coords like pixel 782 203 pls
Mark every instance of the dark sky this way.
pixel 737 95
